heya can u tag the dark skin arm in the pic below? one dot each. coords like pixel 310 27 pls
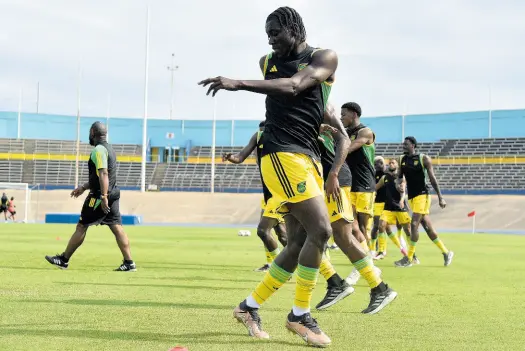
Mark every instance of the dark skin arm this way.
pixel 342 145
pixel 80 190
pixel 364 137
pixel 381 183
pixel 243 154
pixel 103 178
pixel 427 162
pixel 323 66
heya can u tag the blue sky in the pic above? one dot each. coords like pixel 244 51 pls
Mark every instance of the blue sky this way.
pixel 406 56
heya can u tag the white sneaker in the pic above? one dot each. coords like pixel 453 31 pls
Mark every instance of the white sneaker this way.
pixel 353 277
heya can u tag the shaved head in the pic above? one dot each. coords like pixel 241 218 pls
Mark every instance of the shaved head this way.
pixel 97 133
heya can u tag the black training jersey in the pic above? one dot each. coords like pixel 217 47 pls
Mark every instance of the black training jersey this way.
pixel 381 193
pixel 4 200
pixel 361 163
pixel 102 156
pixel 327 148
pixel 415 173
pixel 393 197
pixel 292 122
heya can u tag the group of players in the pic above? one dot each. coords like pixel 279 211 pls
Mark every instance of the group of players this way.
pixel 7 206
pixel 318 174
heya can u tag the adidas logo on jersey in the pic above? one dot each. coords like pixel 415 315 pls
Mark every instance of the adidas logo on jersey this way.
pixel 273 69
pixel 334 213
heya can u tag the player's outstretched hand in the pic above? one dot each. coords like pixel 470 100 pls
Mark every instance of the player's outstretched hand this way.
pixel 219 83
pixel 442 202
pixel 231 157
pixel 327 128
pixel 78 191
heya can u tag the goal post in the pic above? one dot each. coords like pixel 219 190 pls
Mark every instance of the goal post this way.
pixel 21 192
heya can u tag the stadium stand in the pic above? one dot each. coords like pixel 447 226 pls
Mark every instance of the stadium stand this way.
pixel 464 164
pixel 56 173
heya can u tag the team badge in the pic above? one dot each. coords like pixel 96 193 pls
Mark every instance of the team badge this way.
pixel 301 66
pixel 301 187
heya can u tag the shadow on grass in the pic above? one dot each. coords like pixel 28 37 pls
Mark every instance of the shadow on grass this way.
pixel 203 279
pixel 124 303
pixel 191 287
pixel 182 338
pixel 48 268
pixel 213 265
pixel 195 268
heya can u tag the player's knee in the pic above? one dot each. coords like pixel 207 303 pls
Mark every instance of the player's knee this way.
pixel 262 232
pixel 321 236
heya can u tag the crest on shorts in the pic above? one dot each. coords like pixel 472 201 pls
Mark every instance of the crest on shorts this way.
pixel 301 187
pixel 416 163
pixel 301 66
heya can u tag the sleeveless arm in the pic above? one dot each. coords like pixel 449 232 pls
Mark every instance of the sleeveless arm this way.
pixel 363 138
pixel 323 66
pixel 427 163
pixel 262 64
pixel 381 183
pixel 244 153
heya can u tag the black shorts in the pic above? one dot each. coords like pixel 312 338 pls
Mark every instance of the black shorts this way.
pixel 3 208
pixel 92 213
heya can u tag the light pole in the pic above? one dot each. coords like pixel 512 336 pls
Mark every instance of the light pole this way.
pixel 172 68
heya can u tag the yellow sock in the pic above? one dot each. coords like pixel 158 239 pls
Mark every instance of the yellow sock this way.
pixel 381 240
pixel 268 256
pixel 274 278
pixel 372 246
pixel 326 269
pixel 395 240
pixel 440 244
pixel 274 254
pixel 411 249
pixel 367 271
pixel 306 279
pixel 364 245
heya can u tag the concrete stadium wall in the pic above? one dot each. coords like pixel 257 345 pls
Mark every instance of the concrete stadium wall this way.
pixel 505 123
pixel 494 212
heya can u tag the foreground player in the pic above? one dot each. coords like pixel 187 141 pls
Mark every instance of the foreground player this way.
pixel 415 168
pixel 3 205
pixel 269 219
pixel 341 220
pixel 297 82
pixel 102 204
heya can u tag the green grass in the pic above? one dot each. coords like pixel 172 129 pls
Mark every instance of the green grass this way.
pixel 189 280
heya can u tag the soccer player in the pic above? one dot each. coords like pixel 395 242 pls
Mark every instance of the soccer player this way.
pixel 415 168
pixel 341 218
pixel 270 219
pixel 3 205
pixel 102 204
pixel 379 205
pixel 297 82
pixel 11 208
pixel 395 210
pixel 361 161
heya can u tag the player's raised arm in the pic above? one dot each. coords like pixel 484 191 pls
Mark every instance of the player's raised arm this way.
pixel 244 153
pixel 364 137
pixel 427 162
pixel 323 66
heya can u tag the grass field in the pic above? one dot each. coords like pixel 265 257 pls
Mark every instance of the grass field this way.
pixel 190 279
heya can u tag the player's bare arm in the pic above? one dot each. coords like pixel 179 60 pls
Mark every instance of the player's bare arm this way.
pixel 243 154
pixel 323 66
pixel 364 137
pixel 427 162
pixel 80 190
pixel 381 183
pixel 401 187
pixel 103 178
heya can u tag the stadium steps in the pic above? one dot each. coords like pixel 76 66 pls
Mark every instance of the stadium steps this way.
pixel 29 146
pixel 158 174
pixel 28 170
pixel 445 151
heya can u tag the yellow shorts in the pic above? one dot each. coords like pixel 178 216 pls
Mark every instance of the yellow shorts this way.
pixel 291 178
pixel 393 217
pixel 363 202
pixel 379 207
pixel 420 204
pixel 340 209
pixel 271 213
